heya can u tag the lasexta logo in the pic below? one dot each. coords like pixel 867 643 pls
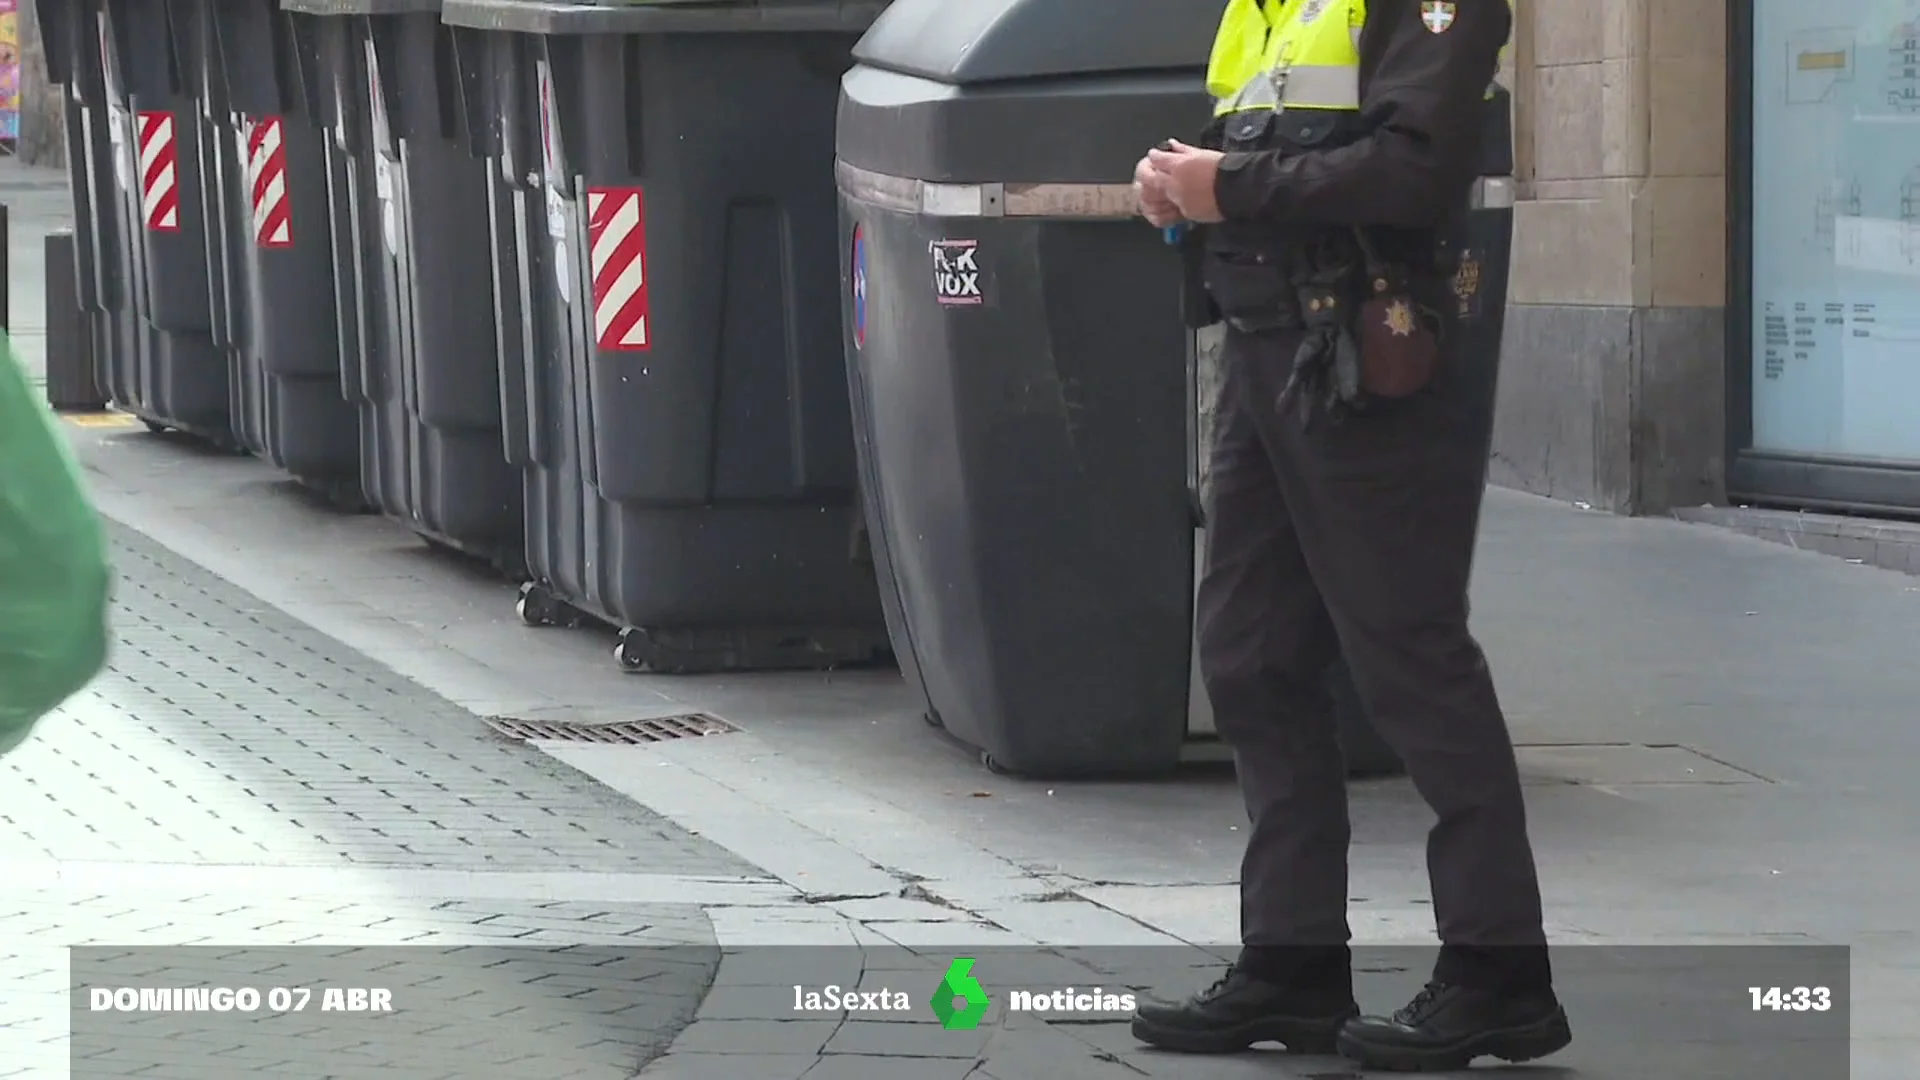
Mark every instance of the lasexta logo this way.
pixel 959 1001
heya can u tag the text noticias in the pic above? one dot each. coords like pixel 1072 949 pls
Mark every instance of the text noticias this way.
pixel 1070 1000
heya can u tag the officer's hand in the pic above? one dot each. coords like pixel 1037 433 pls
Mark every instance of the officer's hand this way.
pixel 1151 195
pixel 1187 176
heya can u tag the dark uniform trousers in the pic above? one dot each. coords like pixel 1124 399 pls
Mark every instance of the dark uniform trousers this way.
pixel 1355 536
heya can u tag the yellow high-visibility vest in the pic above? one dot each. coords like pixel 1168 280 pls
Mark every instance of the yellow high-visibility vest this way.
pixel 1301 54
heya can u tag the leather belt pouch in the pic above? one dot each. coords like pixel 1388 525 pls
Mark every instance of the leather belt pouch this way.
pixel 1252 293
pixel 1399 339
pixel 1399 350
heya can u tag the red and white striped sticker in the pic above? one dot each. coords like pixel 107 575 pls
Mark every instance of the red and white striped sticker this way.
pixel 159 180
pixel 617 229
pixel 267 176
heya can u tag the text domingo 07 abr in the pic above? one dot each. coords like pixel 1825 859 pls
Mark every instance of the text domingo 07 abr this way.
pixel 241 999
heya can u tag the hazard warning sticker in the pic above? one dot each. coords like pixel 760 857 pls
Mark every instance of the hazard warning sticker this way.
pixel 956 273
pixel 617 233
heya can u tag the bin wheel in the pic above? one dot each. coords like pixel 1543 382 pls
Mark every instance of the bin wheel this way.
pixel 537 606
pixel 631 652
pixel 993 766
pixel 156 427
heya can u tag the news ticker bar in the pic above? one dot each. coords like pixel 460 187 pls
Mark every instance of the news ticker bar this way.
pixel 1699 1011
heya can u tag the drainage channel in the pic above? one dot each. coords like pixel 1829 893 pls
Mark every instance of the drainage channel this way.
pixel 624 732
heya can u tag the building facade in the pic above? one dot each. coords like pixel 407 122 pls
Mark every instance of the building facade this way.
pixel 1717 271
pixel 43 139
pixel 1614 386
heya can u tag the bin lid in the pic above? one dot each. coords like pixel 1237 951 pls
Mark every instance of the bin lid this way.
pixel 572 17
pixel 362 7
pixel 976 41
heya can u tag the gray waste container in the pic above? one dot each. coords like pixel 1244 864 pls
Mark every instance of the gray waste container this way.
pixel 668 317
pixel 1015 349
pixel 413 279
pixel 264 180
pixel 71 385
pixel 140 234
pixel 89 171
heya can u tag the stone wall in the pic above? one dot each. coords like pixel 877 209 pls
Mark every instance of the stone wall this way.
pixel 1613 384
pixel 43 139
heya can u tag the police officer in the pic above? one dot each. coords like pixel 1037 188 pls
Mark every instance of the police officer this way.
pixel 1342 521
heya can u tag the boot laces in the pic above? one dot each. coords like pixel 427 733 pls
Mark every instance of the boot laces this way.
pixel 1422 1005
pixel 1218 987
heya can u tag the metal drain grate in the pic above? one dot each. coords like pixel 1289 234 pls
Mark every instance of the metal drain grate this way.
pixel 624 732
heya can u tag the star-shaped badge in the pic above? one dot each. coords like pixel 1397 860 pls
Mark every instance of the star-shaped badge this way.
pixel 1399 319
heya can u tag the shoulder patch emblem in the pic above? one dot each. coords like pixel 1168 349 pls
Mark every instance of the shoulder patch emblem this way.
pixel 1312 11
pixel 1438 15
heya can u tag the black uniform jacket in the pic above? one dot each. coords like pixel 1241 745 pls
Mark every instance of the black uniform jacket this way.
pixel 1415 147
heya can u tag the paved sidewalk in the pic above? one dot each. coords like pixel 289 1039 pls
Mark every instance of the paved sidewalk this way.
pixel 239 780
pixel 1719 737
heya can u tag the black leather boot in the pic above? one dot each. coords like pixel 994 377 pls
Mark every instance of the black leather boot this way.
pixel 1446 1027
pixel 1242 1009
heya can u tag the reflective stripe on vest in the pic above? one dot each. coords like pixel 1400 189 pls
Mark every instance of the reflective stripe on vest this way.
pixel 1507 49
pixel 1315 43
pixel 1308 49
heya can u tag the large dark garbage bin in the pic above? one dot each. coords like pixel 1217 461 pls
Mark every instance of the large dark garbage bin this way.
pixel 413 277
pixel 1015 343
pixel 264 189
pixel 59 27
pixel 70 331
pixel 669 323
pixel 140 237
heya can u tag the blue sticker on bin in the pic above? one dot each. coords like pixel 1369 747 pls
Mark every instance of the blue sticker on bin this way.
pixel 859 288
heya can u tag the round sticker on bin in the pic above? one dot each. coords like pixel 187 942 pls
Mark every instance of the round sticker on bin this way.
pixel 859 287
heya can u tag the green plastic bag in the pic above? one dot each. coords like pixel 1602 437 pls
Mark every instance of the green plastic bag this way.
pixel 55 582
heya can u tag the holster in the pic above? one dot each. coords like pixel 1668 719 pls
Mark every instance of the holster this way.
pixel 1399 339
